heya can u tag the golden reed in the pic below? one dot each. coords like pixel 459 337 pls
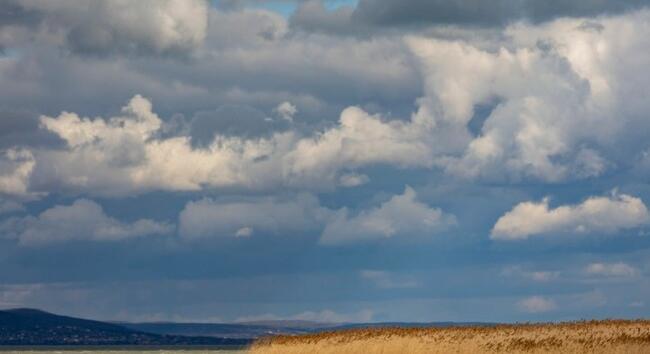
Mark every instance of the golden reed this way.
pixel 610 336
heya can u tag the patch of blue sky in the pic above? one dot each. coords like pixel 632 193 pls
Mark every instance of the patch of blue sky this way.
pixel 334 4
pixel 11 53
pixel 286 8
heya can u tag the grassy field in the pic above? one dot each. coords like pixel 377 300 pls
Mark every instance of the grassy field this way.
pixel 612 336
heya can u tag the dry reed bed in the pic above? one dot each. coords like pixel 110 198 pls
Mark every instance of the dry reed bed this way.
pixel 610 336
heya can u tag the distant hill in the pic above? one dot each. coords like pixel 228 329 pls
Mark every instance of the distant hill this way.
pixel 411 325
pixel 35 327
pixel 249 330
pixel 290 324
pixel 252 330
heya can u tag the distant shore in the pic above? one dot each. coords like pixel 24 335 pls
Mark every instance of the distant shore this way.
pixel 125 348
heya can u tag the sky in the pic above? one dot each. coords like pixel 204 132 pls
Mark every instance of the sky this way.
pixel 336 161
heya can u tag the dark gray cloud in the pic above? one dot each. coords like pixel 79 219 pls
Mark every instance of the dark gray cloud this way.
pixel 247 59
pixel 482 13
pixel 313 16
pixel 12 13
pixel 101 28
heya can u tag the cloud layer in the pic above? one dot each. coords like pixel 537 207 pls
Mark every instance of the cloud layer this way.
pixel 479 13
pixel 549 103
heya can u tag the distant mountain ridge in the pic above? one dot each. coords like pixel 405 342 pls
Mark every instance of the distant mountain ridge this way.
pixel 36 327
pixel 247 330
pixel 252 330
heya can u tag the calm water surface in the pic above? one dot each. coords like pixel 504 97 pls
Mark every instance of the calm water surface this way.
pixel 123 350
pixel 108 351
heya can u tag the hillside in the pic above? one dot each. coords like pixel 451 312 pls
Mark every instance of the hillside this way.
pixel 35 327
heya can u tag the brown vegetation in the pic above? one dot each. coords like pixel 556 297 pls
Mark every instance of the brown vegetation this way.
pixel 611 336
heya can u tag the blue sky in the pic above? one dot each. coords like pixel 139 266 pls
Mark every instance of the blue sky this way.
pixel 286 8
pixel 330 161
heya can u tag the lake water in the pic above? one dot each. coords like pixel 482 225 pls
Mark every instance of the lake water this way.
pixel 129 351
pixel 123 350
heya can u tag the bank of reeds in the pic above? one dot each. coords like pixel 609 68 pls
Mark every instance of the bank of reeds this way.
pixel 610 336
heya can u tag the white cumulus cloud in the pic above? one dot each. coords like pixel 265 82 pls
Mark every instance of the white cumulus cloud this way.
pixel 123 154
pixel 286 110
pixel 129 154
pixel 536 304
pixel 551 89
pixel 360 139
pixel 16 166
pixel 214 218
pixel 594 215
pixel 82 220
pixel 353 180
pixel 402 215
pixel 616 270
